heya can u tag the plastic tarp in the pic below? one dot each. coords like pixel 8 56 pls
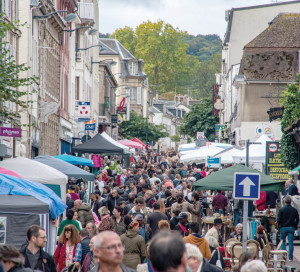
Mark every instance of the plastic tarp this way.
pixel 65 167
pixel 223 180
pixel 38 172
pixel 295 171
pixel 257 152
pixel 200 155
pixel 75 160
pixel 100 144
pixel 11 185
pixel 130 144
pixel 9 172
pixel 226 155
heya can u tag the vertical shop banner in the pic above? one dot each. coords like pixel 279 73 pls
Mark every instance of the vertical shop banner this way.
pixel 215 97
pixel 274 167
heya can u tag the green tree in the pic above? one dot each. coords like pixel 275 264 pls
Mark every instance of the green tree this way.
pixel 175 138
pixel 126 36
pixel 10 80
pixel 290 101
pixel 164 52
pixel 200 118
pixel 136 127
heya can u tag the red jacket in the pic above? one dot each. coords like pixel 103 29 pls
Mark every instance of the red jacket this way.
pixel 60 256
pixel 261 203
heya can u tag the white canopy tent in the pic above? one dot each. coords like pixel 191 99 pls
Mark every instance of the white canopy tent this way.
pixel 38 172
pixel 226 155
pixel 200 155
pixel 257 152
pixel 185 148
pixel 110 139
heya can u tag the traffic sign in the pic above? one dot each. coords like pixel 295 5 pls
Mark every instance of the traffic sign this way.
pixel 213 162
pixel 200 135
pixel 246 186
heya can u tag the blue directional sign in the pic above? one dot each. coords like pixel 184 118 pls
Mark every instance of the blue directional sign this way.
pixel 90 126
pixel 246 186
pixel 213 162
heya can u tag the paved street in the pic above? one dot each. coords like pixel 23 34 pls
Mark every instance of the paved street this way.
pixel 296 261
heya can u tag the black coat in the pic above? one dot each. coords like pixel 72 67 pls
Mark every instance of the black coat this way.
pixel 288 217
pixel 207 267
pixel 113 202
pixel 45 262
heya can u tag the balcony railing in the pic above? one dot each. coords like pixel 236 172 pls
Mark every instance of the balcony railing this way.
pixel 86 11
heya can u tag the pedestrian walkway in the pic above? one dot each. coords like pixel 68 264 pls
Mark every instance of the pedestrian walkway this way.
pixel 296 261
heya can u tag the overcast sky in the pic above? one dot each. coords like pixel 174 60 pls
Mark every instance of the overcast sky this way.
pixel 194 16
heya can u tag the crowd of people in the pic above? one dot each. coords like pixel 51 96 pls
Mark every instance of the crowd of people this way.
pixel 147 217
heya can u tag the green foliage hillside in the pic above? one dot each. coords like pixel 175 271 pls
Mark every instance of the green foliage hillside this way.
pixel 204 46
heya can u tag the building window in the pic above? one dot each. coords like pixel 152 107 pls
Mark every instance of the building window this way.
pixel 133 95
pixel 77 88
pixel 132 68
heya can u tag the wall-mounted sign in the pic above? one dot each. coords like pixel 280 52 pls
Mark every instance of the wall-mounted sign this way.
pixel 122 104
pixel 120 119
pixel 217 130
pixel 274 167
pixel 275 113
pixel 10 132
pixel 84 109
pixel 200 134
pixel 114 118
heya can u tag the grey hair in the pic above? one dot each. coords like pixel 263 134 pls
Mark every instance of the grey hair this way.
pixel 98 239
pixel 239 225
pixel 212 241
pixel 254 266
pixel 193 251
pixel 103 211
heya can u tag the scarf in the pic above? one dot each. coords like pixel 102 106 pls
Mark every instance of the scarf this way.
pixel 183 228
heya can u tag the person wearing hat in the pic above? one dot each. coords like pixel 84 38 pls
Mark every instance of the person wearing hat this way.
pixel 182 226
pixel 145 230
pixel 215 231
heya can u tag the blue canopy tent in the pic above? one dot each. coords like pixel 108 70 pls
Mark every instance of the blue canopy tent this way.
pixel 75 160
pixel 65 167
pixel 11 185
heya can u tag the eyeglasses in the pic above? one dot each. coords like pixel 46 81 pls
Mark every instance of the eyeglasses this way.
pixel 114 247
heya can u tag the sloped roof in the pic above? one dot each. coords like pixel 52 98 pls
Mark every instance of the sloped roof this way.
pixel 273 54
pixel 284 31
pixel 114 47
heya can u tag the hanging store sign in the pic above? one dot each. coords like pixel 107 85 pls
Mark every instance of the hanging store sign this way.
pixel 84 109
pixel 275 113
pixel 114 118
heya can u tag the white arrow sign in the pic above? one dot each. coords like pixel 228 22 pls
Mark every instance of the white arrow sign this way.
pixel 247 183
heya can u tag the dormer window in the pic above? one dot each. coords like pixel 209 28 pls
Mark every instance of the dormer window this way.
pixel 132 68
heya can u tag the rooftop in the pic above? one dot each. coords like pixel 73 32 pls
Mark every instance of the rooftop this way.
pixel 114 47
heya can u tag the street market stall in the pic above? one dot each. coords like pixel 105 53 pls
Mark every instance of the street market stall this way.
pixel 38 172
pixel 200 155
pixel 101 144
pixel 226 155
pixel 65 167
pixel 138 141
pixel 131 144
pixel 75 160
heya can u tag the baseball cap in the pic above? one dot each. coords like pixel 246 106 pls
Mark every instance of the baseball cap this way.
pixel 139 217
pixel 182 215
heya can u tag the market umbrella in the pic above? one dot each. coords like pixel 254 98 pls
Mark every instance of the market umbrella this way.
pixel 223 180
pixel 75 160
pixel 131 144
pixel 65 167
pixel 138 141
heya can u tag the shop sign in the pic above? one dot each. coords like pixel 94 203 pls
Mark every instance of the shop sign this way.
pixel 10 132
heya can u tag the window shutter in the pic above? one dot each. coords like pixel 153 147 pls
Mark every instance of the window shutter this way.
pixel 139 96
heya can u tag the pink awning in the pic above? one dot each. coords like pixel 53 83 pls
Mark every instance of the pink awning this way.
pixel 138 141
pixel 131 144
pixel 9 172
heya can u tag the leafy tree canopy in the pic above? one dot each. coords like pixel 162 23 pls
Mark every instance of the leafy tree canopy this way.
pixel 10 80
pixel 164 52
pixel 137 126
pixel 204 47
pixel 200 118
pixel 290 101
